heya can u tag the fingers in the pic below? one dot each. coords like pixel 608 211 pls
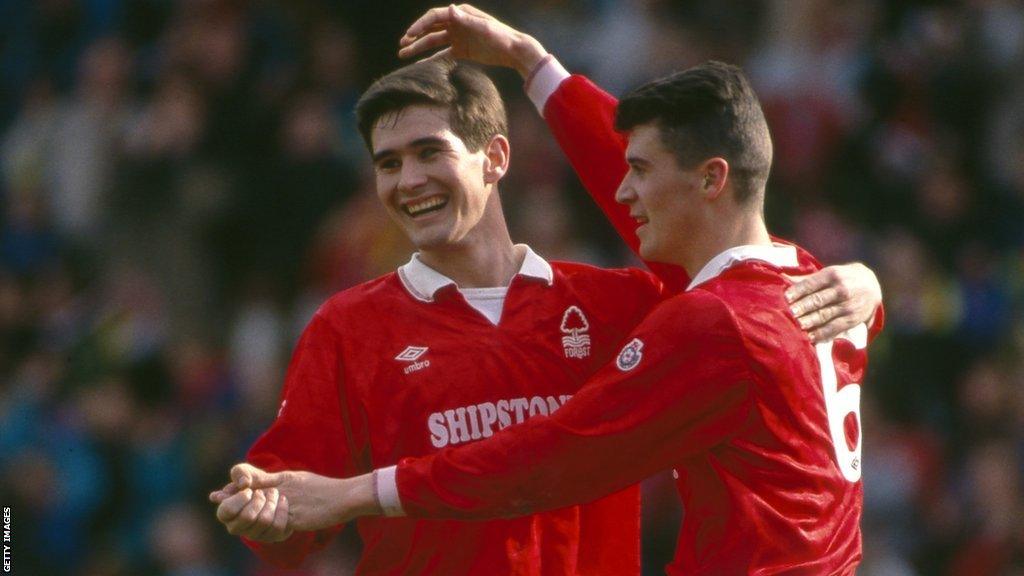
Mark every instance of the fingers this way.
pixel 804 286
pixel 830 320
pixel 266 515
pixel 818 317
pixel 280 524
pixel 230 508
pixel 826 322
pixel 432 19
pixel 241 475
pixel 243 523
pixel 818 301
pixel 263 528
pixel 260 515
pixel 246 475
pixel 407 38
pixel 247 517
pixel 833 300
pixel 254 511
pixel 822 305
pixel 424 43
pixel 218 496
pixel 833 329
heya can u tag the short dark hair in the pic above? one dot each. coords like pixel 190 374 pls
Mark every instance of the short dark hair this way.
pixel 476 111
pixel 706 111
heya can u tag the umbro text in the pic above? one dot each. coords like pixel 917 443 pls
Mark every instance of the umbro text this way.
pixel 416 366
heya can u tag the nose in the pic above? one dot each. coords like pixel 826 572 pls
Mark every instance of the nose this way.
pixel 625 193
pixel 412 176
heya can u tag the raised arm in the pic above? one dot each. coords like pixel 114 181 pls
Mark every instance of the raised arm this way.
pixel 581 117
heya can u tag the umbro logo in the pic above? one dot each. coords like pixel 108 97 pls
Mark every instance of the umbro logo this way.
pixel 412 354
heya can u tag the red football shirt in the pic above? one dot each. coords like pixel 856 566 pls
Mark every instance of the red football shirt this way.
pixel 719 383
pixel 403 365
pixel 581 116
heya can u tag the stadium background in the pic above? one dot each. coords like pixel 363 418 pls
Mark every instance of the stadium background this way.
pixel 181 185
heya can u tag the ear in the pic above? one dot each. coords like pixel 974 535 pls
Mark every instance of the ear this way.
pixel 496 160
pixel 715 173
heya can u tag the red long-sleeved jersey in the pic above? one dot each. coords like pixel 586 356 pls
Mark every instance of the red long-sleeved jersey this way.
pixel 327 425
pixel 718 383
pixel 403 365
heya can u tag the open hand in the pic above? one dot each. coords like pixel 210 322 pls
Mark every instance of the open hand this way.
pixel 834 299
pixel 469 33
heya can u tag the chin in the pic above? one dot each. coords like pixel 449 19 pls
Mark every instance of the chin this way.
pixel 646 251
pixel 436 241
pixel 653 254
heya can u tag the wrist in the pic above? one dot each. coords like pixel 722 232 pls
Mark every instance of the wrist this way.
pixel 359 497
pixel 527 52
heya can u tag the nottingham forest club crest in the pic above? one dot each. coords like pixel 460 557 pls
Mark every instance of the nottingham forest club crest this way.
pixel 576 340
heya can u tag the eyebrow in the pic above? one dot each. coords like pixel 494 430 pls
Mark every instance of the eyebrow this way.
pixel 637 160
pixel 425 141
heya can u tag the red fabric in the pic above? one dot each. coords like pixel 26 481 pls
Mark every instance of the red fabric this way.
pixel 350 406
pixel 728 392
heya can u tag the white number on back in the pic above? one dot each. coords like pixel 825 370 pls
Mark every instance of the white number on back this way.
pixel 841 403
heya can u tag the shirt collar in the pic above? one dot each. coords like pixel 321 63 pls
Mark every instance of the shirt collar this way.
pixel 423 282
pixel 780 255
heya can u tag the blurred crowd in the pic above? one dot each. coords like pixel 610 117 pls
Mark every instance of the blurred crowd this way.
pixel 181 185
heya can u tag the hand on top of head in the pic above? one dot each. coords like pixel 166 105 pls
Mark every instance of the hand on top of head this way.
pixel 469 33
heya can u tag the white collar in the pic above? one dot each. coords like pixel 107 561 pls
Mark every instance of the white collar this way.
pixel 423 282
pixel 780 255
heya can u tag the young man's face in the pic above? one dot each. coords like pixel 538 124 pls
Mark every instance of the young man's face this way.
pixel 662 197
pixel 427 179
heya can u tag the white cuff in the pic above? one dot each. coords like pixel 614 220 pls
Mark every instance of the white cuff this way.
pixel 387 491
pixel 544 83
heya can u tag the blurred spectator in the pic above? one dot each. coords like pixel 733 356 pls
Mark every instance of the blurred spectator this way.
pixel 65 148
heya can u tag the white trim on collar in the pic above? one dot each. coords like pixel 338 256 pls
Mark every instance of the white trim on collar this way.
pixel 536 267
pixel 781 255
pixel 423 282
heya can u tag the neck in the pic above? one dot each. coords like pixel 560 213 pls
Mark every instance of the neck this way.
pixel 488 263
pixel 747 230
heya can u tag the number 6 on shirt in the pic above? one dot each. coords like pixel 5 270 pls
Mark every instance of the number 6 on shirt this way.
pixel 840 403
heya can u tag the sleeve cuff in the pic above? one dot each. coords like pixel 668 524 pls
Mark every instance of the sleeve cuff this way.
pixel 386 486
pixel 544 80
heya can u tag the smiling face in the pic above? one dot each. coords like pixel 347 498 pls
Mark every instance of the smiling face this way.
pixel 663 198
pixel 435 188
